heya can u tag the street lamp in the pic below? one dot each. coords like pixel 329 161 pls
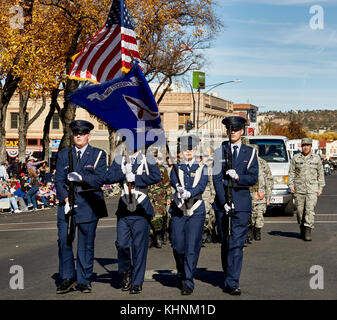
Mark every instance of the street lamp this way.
pixel 220 84
pixel 212 87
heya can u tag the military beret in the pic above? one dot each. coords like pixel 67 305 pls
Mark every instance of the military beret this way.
pixel 81 126
pixel 235 122
pixel 306 141
pixel 188 142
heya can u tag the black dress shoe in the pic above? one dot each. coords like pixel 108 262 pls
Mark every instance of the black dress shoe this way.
pixel 185 291
pixel 126 282
pixel 84 288
pixel 233 291
pixel 180 283
pixel 66 286
pixel 135 289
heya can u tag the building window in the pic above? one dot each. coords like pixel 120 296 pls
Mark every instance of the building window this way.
pixel 14 120
pixel 182 118
pixel 56 121
pixel 101 126
pixel 32 142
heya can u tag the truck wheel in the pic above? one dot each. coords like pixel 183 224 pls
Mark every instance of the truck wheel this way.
pixel 289 208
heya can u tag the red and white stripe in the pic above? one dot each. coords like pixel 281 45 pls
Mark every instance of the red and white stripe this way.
pixel 106 55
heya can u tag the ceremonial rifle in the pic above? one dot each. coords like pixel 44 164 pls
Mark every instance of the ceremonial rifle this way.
pixel 229 185
pixel 71 200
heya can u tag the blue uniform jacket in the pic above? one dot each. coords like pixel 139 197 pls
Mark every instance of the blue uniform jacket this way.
pixel 188 182
pixel 248 176
pixel 90 204
pixel 115 174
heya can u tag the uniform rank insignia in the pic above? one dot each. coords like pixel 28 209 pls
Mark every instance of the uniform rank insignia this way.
pixel 298 171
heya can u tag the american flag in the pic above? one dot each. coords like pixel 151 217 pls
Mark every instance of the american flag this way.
pixel 110 51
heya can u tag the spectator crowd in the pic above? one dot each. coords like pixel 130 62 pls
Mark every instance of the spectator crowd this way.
pixel 26 186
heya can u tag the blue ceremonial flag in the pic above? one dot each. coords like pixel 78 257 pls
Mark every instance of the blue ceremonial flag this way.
pixel 126 104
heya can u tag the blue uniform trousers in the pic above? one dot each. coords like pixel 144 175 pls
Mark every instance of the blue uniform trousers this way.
pixel 186 243
pixel 232 246
pixel 133 234
pixel 85 251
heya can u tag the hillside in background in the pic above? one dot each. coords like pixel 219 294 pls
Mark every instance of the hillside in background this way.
pixel 310 120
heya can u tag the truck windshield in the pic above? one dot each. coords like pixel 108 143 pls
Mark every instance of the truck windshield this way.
pixel 271 150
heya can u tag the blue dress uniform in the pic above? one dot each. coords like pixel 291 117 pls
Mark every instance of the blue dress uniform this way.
pixel 133 219
pixel 187 222
pixel 246 167
pixel 89 207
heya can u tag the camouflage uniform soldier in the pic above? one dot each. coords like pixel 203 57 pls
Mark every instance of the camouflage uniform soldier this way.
pixel 208 197
pixel 306 181
pixel 160 195
pixel 261 194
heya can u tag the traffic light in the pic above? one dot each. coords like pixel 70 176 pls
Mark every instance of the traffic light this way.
pixel 252 115
pixel 188 125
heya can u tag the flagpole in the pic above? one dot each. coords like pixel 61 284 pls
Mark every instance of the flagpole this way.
pixel 127 157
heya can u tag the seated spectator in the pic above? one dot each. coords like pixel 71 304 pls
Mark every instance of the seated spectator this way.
pixel 31 194
pixel 15 189
pixel 46 195
pixel 6 194
pixel 44 170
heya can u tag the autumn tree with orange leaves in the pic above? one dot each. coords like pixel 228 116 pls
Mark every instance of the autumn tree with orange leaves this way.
pixel 37 45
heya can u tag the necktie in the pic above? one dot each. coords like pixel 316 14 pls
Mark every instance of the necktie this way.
pixel 78 157
pixel 235 153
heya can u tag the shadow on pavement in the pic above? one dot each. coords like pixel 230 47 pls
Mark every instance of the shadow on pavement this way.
pixel 166 277
pixel 112 277
pixel 214 278
pixel 285 234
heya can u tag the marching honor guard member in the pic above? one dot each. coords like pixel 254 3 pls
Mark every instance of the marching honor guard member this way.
pixel 235 170
pixel 188 212
pixel 79 176
pixel 134 214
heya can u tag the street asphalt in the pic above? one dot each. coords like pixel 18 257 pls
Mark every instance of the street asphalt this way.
pixel 279 267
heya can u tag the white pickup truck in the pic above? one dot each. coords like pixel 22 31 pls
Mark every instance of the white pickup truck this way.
pixel 273 149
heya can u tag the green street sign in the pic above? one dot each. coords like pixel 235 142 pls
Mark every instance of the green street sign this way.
pixel 198 80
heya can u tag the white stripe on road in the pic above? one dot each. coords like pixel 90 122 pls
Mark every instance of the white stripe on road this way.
pixel 295 222
pixel 53 228
pixel 16 223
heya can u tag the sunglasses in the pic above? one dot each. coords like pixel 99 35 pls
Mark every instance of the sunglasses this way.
pixel 80 133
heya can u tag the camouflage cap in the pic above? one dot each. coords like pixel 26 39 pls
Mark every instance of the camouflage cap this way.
pixel 306 141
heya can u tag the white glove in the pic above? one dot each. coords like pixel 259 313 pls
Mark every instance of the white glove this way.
pixel 180 189
pixel 228 208
pixel 130 177
pixel 66 208
pixel 74 176
pixel 232 173
pixel 186 195
pixel 126 168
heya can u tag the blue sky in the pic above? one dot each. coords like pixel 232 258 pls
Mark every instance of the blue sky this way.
pixel 282 61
